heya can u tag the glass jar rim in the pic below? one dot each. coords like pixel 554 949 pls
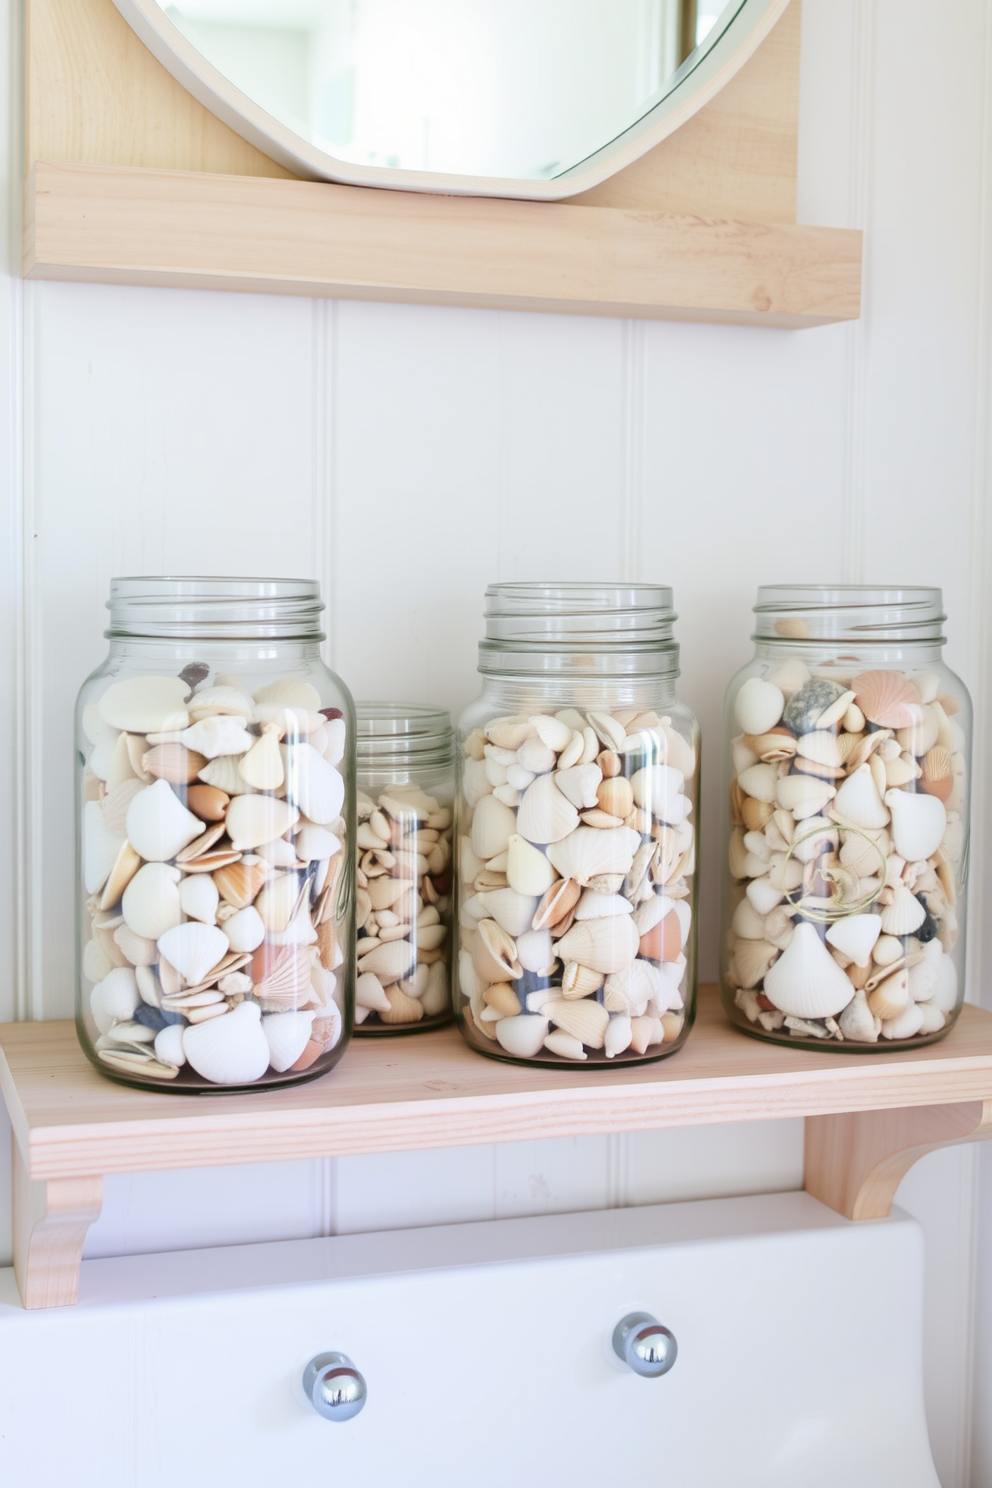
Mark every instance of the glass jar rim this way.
pixel 577 625
pixel 863 614
pixel 387 732
pixel 213 607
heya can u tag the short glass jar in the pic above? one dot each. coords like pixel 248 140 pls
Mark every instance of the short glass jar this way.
pixel 405 763
pixel 846 824
pixel 216 810
pixel 576 839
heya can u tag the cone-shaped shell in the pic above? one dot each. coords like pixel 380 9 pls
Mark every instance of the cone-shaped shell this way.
pixel 158 824
pixel 229 1050
pixel 523 1036
pixel 193 949
pixel 245 930
pixel 389 961
pixel 805 981
pixel 199 898
pixel 589 852
pixel 618 1035
pixel 855 937
pixel 758 706
pixel 114 999
pixel 527 869
pixel 151 900
pixel 918 823
pixel 858 802
pixel 513 911
pixel 369 993
pixel 252 820
pixel 606 945
pixel 492 827
pixel 544 814
pixel 315 785
pixel 263 769
pixel 888 699
pixel 858 1023
pixel 287 1035
pixel 145 705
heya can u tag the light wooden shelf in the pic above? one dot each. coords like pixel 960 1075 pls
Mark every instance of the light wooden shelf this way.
pixel 869 1116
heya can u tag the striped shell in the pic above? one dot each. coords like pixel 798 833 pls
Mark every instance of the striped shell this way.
pixel 886 698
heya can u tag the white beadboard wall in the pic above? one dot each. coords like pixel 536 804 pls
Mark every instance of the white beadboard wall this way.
pixel 407 456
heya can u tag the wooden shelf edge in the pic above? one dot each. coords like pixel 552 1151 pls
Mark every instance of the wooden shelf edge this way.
pixel 185 229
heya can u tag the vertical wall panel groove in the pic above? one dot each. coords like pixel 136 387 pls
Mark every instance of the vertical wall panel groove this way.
pixel 632 491
pixel 859 215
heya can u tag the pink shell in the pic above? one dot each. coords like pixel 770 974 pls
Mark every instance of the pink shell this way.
pixel 888 699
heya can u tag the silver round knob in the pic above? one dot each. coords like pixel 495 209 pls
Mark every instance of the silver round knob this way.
pixel 645 1344
pixel 334 1387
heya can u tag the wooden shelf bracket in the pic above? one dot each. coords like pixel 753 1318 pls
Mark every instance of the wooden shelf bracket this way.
pixel 51 1218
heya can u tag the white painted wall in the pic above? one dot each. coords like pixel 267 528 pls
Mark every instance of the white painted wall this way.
pixel 407 456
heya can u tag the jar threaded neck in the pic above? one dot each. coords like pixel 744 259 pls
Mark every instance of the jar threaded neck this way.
pixel 214 608
pixel 861 614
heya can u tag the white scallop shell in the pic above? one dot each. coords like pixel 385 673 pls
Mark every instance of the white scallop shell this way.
pixel 114 999
pixel 758 706
pixel 288 1035
pixel 589 852
pixel 527 869
pixel 316 786
pixel 150 905
pixel 545 815
pixel 193 949
pixel 554 733
pixel 390 961
pixel 100 847
pixel 492 827
pixel 584 1018
pixel 169 1046
pixel 290 692
pixel 595 906
pixel 252 820
pixel 579 785
pixel 606 945
pixel 199 897
pixel 805 981
pixel 821 746
pixel 244 930
pixel 219 700
pixel 219 734
pixel 96 962
pixel 145 705
pixel 804 796
pixel 158 824
pixel 299 931
pixel 904 915
pixel 658 789
pixel 858 802
pixel 630 990
pixel 747 922
pixel 513 911
pixel 763 895
pixel 618 1035
pixel 855 937
pixel 918 823
pixel 231 1049
pixel 522 1035
pixel 312 842
pixel 223 773
pixel 760 782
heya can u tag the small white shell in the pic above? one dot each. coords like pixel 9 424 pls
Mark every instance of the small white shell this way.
pixel 565 1045
pixel 589 852
pixel 229 1050
pixel 370 994
pixel 223 773
pixel 545 815
pixel 252 820
pixel 288 1035
pixel 313 783
pixel 606 945
pixel 262 766
pixel 115 998
pixel 760 781
pixel 906 1025
pixel 805 981
pixel 214 700
pixel 219 734
pixel 158 824
pixel 758 706
pixel 658 789
pixel 492 827
pixel 595 906
pixel 527 869
pixel 290 692
pixel 535 950
pixel 193 949
pixel 150 905
pixel 803 795
pixel 918 823
pixel 145 705
pixel 579 785
pixel 244 930
pixel 312 842
pixel 904 915
pixel 169 1046
pixel 390 961
pixel 199 897
pixel 858 801
pixel 618 1035
pixel 522 1035
pixel 855 937
pixel 513 911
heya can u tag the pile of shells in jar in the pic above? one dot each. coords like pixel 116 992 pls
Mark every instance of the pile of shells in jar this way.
pixel 212 853
pixel 846 844
pixel 403 908
pixel 576 855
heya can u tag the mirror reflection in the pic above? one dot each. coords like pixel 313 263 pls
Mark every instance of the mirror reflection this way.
pixel 511 88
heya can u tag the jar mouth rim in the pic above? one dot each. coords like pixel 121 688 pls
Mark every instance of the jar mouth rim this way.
pixel 860 613
pixel 387 731
pixel 569 622
pixel 213 607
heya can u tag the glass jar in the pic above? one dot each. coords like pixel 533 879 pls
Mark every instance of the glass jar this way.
pixel 215 851
pixel 406 767
pixel 846 837
pixel 575 820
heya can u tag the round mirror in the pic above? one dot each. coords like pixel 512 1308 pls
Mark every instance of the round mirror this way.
pixel 527 98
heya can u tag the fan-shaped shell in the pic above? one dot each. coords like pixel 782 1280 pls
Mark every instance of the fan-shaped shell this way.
pixel 492 827
pixel 229 1050
pixel 855 937
pixel 918 823
pixel 589 852
pixel 758 705
pixel 145 705
pixel 287 1035
pixel 888 699
pixel 513 911
pixel 100 847
pixel 805 981
pixel 222 773
pixel 252 820
pixel 172 762
pixel 904 915
pixel 579 784
pixel 760 782
pixel 313 783
pixel 607 945
pixel 151 900
pixel 544 815
pixel 193 949
pixel 281 974
pixel 630 990
pixel 822 747
pixel 585 1019
pixel 937 772
pixel 858 801
pixel 390 960
pixel 527 869
pixel 114 999
pixel 594 905
pixel 158 824
pixel 214 700
pixel 239 883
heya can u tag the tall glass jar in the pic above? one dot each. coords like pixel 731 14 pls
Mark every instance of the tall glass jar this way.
pixel 215 851
pixel 846 822
pixel 576 838
pixel 406 767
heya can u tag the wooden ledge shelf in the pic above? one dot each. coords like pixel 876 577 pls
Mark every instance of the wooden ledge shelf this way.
pixel 186 229
pixel 868 1116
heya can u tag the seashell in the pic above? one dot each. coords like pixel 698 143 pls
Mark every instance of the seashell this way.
pixel 891 996
pixel 494 954
pixel 606 945
pixel 114 999
pixel 220 734
pixel 758 706
pixel 535 951
pixel 806 982
pixel 585 1019
pixel 616 797
pixel 888 950
pixel 158 824
pixel 747 922
pixel 252 820
pixel 645 1032
pixel 145 705
pixel 545 814
pixel 908 1023
pixel 658 789
pixel 579 981
pixel 509 733
pixel 138 950
pixel 287 1035
pixel 804 796
pixel 100 847
pixel 193 949
pixel 316 786
pixel 580 784
pixel 755 815
pixel 512 911
pixel 151 900
pixel 904 915
pixel 610 733
pixel 234 982
pixel 806 708
pixel 240 882
pixel 492 827
pixel 312 842
pixel 933 1019
pixel 902 770
pixel 857 1022
pixel 289 692
pixel 563 1044
pixel 923 736
pixel 115 806
pixel 213 700
pixel 618 1035
pixel 790 676
pixel 630 990
pixel 390 960
pixel 169 1046
pixel 402 1008
pixel 760 782
pixel 502 999
pixel 277 901
pixel 199 898
pixel 262 766
pixel 554 733
pixel 924 973
pixel 222 774
pixel 523 1036
pixel 663 942
pixel 918 823
pixel 822 747
pixel 763 895
pixel 858 801
pixel 888 699
pixel 230 1050
pixel 369 993
pixel 777 744
pixel 594 906
pixel 281 975
pixel 172 762
pixel 592 851
pixel 528 871
pixel 937 777
pixel 535 757
pixel 855 937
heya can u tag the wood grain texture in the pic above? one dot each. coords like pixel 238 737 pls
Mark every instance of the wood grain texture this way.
pixel 432 1091
pixel 51 1218
pixel 737 156
pixel 183 229
pixel 856 1161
